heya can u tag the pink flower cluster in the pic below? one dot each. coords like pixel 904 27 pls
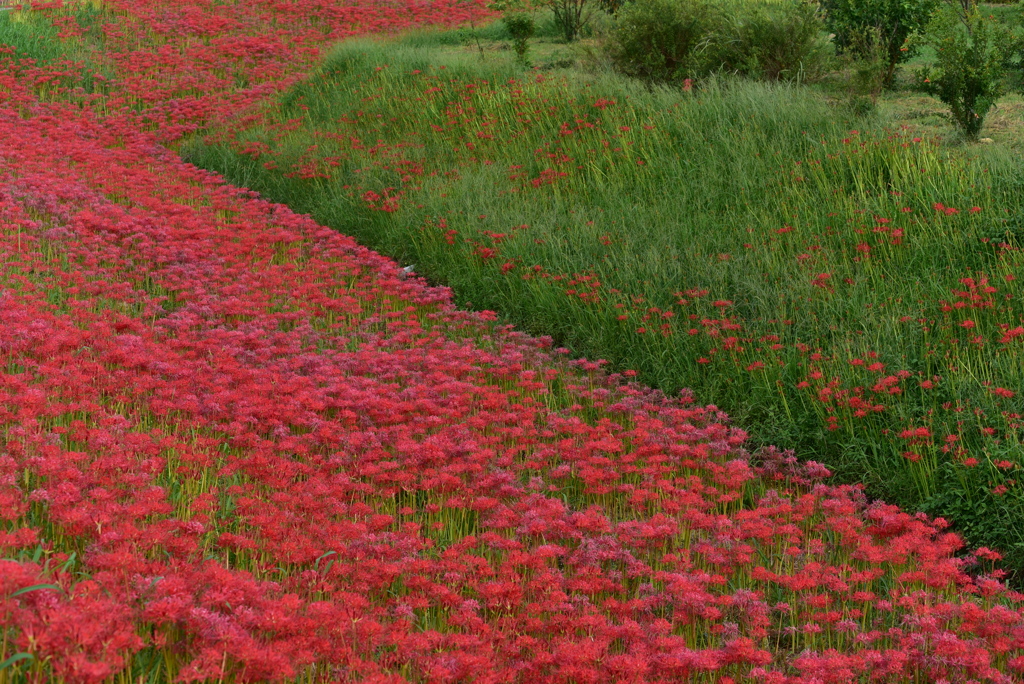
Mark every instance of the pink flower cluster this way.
pixel 237 445
pixel 234 445
pixel 182 65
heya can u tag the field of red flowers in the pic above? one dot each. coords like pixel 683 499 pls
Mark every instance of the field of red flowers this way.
pixel 839 286
pixel 237 446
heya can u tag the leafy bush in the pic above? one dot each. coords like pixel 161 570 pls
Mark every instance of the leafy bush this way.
pixel 778 41
pixel 521 28
pixel 857 25
pixel 571 16
pixel 611 6
pixel 670 40
pixel 667 40
pixel 1014 57
pixel 970 50
pixel 867 69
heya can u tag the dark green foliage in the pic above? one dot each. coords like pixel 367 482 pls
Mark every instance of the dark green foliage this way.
pixel 521 28
pixel 859 26
pixel 869 69
pixel 668 40
pixel 970 50
pixel 984 514
pixel 779 41
pixel 671 40
pixel 1014 55
pixel 571 16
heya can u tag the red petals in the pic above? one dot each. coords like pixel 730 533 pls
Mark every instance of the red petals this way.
pixel 239 446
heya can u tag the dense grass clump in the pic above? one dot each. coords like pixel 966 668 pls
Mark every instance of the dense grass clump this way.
pixel 840 288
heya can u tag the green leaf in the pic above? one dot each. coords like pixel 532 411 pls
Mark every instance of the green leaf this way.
pixel 17 657
pixel 69 562
pixel 34 587
pixel 316 564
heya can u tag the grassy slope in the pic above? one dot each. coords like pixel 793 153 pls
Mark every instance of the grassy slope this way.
pixel 730 167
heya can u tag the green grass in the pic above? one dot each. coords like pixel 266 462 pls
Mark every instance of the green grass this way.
pixel 33 35
pixel 30 36
pixel 36 41
pixel 604 224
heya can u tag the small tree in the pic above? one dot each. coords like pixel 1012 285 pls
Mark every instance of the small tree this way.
pixel 857 24
pixel 668 40
pixel 612 6
pixel 970 49
pixel 869 66
pixel 776 41
pixel 520 27
pixel 571 16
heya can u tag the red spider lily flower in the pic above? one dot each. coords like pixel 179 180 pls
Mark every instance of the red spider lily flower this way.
pixel 249 447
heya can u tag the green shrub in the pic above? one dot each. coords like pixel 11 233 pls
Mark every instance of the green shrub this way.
pixel 970 50
pixel 778 41
pixel 1014 57
pixel 521 28
pixel 667 40
pixel 857 24
pixel 571 16
pixel 671 40
pixel 866 71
